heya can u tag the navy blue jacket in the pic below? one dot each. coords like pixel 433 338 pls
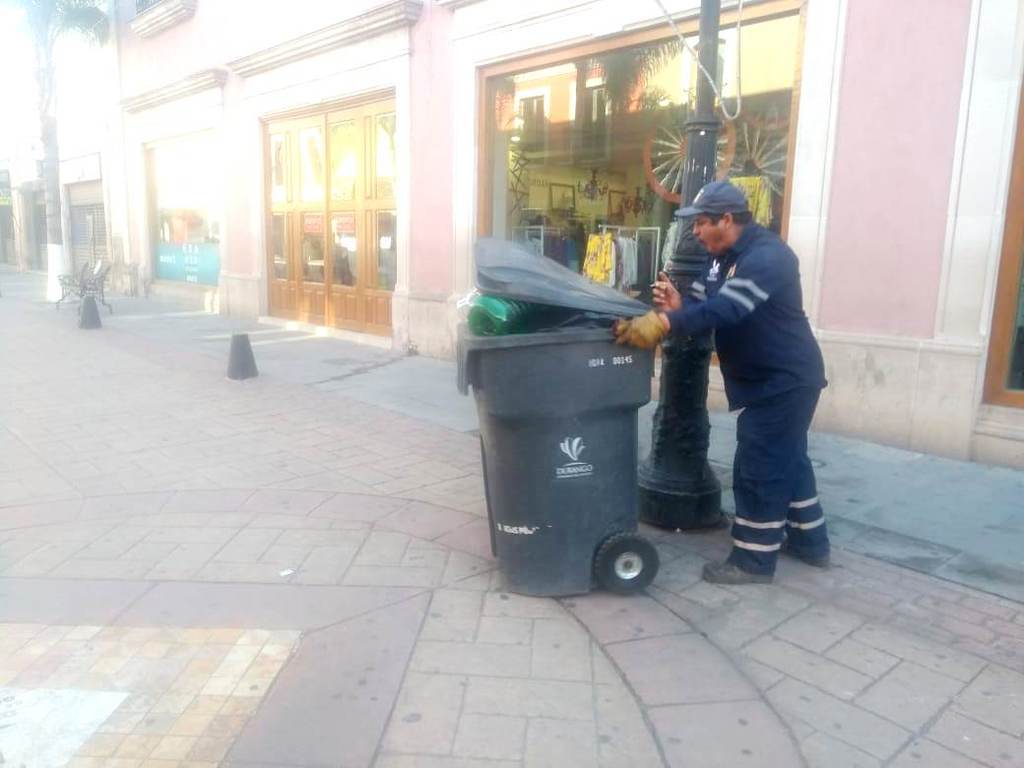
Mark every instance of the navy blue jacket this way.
pixel 751 297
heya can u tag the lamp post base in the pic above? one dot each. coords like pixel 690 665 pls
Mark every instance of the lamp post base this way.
pixel 699 507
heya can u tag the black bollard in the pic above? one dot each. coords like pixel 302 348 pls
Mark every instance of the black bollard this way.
pixel 241 363
pixel 89 314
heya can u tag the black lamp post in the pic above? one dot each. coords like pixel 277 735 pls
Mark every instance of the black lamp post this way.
pixel 678 488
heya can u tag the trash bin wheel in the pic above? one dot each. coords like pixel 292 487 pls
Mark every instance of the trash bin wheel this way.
pixel 625 563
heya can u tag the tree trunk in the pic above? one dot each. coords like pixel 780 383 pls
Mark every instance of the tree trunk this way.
pixel 51 181
pixel 55 265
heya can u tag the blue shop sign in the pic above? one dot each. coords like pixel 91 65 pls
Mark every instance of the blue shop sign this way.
pixel 189 262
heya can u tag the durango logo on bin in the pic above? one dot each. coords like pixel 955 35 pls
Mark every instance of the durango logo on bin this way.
pixel 573 447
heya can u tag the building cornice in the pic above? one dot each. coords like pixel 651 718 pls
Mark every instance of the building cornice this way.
pixel 384 18
pixel 163 15
pixel 194 83
pixel 453 4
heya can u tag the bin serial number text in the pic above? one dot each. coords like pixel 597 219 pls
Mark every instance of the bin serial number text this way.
pixel 598 362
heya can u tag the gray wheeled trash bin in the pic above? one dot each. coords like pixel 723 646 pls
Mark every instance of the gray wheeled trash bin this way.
pixel 558 436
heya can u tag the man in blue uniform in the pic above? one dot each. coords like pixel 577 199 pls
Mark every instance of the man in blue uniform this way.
pixel 750 297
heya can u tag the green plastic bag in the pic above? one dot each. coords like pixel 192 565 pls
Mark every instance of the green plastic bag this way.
pixel 491 316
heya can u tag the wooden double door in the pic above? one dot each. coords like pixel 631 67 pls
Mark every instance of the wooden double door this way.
pixel 332 225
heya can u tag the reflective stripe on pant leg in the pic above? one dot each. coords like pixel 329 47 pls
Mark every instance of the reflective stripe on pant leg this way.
pixel 759 535
pixel 804 514
pixel 761 491
pixel 753 549
pixel 805 520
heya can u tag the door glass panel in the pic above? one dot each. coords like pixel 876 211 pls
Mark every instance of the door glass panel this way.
pixel 344 160
pixel 278 247
pixel 385 159
pixel 387 252
pixel 279 168
pixel 344 254
pixel 311 159
pixel 313 247
pixel 1016 377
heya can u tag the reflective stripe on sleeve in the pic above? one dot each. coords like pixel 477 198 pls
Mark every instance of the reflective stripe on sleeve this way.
pixel 750 285
pixel 730 293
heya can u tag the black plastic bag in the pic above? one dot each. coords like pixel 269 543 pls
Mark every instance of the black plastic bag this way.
pixel 511 271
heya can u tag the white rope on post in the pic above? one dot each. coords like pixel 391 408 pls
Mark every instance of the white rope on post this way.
pixel 703 69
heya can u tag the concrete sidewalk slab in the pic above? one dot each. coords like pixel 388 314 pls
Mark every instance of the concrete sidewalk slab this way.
pixel 273 606
pixel 331 704
pixel 38 601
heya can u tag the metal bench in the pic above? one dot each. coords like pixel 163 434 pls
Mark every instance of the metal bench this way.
pixel 90 281
pixel 69 284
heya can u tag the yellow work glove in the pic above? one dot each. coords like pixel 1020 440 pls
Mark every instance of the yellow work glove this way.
pixel 644 332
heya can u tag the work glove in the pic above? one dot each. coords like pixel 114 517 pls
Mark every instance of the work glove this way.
pixel 644 332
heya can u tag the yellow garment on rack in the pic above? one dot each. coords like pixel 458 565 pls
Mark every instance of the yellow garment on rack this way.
pixel 759 195
pixel 599 263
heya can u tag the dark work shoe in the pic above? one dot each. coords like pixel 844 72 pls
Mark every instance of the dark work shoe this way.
pixel 727 573
pixel 822 561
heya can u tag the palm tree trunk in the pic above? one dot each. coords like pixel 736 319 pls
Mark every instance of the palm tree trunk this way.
pixel 55 266
pixel 51 181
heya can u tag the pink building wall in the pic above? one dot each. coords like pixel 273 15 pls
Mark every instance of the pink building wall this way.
pixel 217 33
pixel 898 108
pixel 432 155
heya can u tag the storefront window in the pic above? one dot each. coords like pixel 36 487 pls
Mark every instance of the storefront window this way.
pixel 593 148
pixel 187 197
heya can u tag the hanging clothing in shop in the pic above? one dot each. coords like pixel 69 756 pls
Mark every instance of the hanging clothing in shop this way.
pixel 554 247
pixel 759 196
pixel 599 263
pixel 592 258
pixel 668 250
pixel 626 274
pixel 615 260
pixel 533 242
pixel 645 262
pixel 572 255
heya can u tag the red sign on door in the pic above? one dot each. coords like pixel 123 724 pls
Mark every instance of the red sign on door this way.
pixel 313 225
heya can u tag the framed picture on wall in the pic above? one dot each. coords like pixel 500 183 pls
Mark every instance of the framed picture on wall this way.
pixel 563 197
pixel 615 198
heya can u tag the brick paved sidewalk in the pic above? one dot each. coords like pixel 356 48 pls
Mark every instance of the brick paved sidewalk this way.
pixel 197 572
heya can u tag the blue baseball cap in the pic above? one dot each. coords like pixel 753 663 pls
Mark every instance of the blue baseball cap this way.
pixel 716 198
